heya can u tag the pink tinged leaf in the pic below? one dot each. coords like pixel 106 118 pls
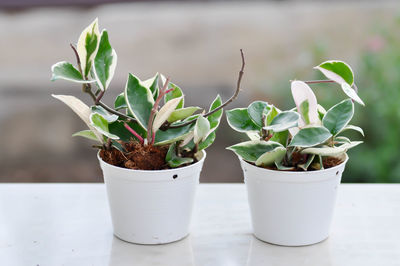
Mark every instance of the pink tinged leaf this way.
pixel 302 92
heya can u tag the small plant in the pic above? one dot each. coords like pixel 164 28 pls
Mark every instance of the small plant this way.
pixel 139 130
pixel 306 137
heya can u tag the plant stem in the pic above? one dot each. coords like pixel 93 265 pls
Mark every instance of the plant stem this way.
pixel 78 60
pixel 99 97
pixel 87 89
pixel 318 81
pixel 134 133
pixel 150 133
pixel 233 97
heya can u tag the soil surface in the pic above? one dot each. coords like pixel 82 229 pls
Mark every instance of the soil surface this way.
pixel 298 158
pixel 137 157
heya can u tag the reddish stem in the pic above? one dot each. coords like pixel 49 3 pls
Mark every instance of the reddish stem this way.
pixel 153 138
pixel 134 133
pixel 150 133
pixel 318 81
pixel 99 97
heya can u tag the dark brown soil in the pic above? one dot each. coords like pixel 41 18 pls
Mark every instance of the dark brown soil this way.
pixel 298 158
pixel 329 162
pixel 137 157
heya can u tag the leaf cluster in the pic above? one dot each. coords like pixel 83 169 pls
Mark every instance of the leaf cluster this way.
pixel 150 111
pixel 299 138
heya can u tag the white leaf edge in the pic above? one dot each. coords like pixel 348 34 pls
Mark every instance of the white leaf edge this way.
pixel 301 92
pixel 81 109
pixel 165 111
pixel 332 75
pixel 276 155
pixel 351 93
pixel 105 133
pixel 201 129
pixel 331 151
pixel 352 127
pixel 81 49
pixel 68 79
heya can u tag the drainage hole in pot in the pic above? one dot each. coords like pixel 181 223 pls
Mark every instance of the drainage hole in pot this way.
pixel 175 176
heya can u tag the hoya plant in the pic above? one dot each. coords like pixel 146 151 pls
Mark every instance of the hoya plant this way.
pixel 148 118
pixel 306 137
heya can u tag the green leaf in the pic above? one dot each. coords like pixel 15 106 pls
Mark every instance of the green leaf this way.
pixel 86 134
pixel 337 71
pixel 120 102
pixel 175 93
pixel 139 100
pixel 280 137
pixel 207 142
pixel 310 136
pixel 251 150
pixel 201 129
pixel 256 112
pixel 239 120
pixel 283 121
pixel 117 145
pixel 304 111
pixel 174 160
pixel 118 128
pixel 270 157
pixel 351 93
pixel 101 125
pixel 215 118
pixel 331 151
pixel 66 71
pixel 87 46
pixel 81 109
pixel 338 116
pixel 104 113
pixel 172 135
pixel 182 113
pixel 152 85
pixel 355 128
pixel 104 62
pixel 321 111
pixel 165 111
pixel 273 111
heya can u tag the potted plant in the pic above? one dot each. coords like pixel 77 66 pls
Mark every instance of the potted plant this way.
pixel 294 159
pixel 151 154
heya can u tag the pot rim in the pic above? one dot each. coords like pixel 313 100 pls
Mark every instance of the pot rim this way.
pixel 153 171
pixel 296 172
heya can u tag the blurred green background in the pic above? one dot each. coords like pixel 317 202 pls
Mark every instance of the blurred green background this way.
pixel 197 43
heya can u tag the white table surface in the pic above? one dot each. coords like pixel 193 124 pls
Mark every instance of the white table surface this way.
pixel 69 224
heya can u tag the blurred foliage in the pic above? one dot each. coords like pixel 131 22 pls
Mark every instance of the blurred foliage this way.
pixel 379 81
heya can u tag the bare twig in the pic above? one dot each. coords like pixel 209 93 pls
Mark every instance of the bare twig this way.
pixel 233 97
pixel 150 134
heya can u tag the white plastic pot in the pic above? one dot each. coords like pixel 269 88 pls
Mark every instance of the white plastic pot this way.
pixel 291 208
pixel 151 207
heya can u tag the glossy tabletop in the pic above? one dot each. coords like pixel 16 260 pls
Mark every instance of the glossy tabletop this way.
pixel 69 224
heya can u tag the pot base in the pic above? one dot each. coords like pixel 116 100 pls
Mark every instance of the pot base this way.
pixel 287 244
pixel 150 242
